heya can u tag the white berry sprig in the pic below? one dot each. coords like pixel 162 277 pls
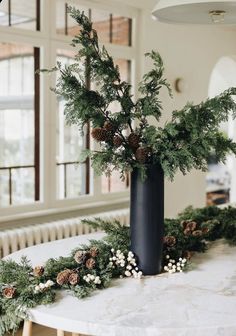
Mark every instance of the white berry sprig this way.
pixel 173 267
pixel 43 286
pixel 128 263
pixel 92 278
pixel 118 258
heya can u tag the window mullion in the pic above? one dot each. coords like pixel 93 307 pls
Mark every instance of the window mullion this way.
pixel 48 134
pixel 49 138
pixel 37 123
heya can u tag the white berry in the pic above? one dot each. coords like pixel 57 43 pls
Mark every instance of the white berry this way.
pixel 127 273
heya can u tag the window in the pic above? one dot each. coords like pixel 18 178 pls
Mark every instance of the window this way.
pixel 20 14
pixel 73 179
pixel 112 28
pixel 19 153
pixel 39 153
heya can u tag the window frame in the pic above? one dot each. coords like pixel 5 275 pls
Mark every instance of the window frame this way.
pixel 49 42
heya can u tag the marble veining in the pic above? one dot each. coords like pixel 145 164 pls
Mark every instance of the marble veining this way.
pixel 201 302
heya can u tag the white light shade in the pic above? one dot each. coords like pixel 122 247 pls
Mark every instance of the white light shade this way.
pixel 198 11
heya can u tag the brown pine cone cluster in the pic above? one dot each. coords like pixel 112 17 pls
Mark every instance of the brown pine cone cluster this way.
pixel 104 133
pixel 38 271
pixel 108 126
pixel 133 140
pixel 100 134
pixel 190 229
pixel 74 279
pixel 170 241
pixel 87 258
pixel 68 277
pixel 9 292
pixel 197 233
pixel 80 257
pixel 117 141
pixel 63 277
pixel 188 254
pixel 90 263
pixel 93 252
pixel 141 154
pixel 205 230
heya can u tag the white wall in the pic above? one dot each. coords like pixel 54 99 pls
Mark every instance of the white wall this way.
pixel 224 77
pixel 189 52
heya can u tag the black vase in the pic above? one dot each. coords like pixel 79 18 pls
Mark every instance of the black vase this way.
pixel 147 218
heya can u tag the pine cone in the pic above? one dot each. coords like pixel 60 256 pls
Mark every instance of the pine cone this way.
pixel 191 225
pixel 187 232
pixel 197 233
pixel 188 254
pixel 93 251
pixel 74 278
pixel 108 126
pixel 38 271
pixel 90 263
pixel 133 140
pixel 205 230
pixel 141 154
pixel 100 134
pixel 170 241
pixel 117 141
pixel 184 223
pixel 63 277
pixel 80 257
pixel 9 292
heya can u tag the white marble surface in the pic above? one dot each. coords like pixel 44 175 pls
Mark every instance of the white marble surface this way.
pixel 201 302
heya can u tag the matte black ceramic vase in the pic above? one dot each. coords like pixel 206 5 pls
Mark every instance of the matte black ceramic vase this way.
pixel 147 219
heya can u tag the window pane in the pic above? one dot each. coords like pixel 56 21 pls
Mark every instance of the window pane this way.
pixel 114 183
pixel 124 68
pixel 17 70
pixel 16 138
pixel 72 177
pixel 17 124
pixel 70 142
pixel 102 24
pixel 4 188
pixel 111 28
pixel 121 30
pixel 4 77
pixel 64 23
pixel 19 14
pixel 22 186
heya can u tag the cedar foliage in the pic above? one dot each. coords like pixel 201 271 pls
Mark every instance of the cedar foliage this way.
pixel 185 142
pixel 220 223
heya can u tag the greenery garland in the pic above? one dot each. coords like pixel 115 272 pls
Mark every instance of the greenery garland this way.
pixel 127 140
pixel 93 266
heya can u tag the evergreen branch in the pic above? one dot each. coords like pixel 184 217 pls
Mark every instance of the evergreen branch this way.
pixel 184 143
pixel 185 235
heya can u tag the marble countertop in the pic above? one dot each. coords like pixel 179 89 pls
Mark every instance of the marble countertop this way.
pixel 201 302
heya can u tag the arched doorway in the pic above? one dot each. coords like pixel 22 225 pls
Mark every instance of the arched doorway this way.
pixel 221 178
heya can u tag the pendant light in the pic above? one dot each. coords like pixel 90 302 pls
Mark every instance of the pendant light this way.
pixel 196 12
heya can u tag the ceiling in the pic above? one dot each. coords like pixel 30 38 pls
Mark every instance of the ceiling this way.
pixel 144 4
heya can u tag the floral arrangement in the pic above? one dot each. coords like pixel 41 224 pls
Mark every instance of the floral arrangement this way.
pixel 126 137
pixel 92 267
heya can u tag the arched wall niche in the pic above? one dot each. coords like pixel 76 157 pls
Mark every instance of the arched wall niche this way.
pixel 223 76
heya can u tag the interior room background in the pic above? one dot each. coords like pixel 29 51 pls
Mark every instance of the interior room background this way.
pixel 40 179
